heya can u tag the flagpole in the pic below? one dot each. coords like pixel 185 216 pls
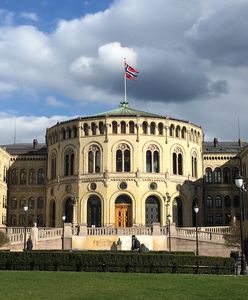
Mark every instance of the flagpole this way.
pixel 125 83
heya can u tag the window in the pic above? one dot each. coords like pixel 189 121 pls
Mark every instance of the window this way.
pixel 123 158
pixel 177 161
pixel 217 175
pixel 23 176
pixel 101 128
pixel 235 172
pixel 74 131
pixel 53 166
pixel 184 133
pixel 210 219
pixel 152 128
pixel 123 127
pixel 94 159
pixel 208 175
pixel 236 201
pixel 14 176
pixel 63 134
pixel 31 203
pixel 32 176
pixel 69 162
pixel 13 203
pixel 40 220
pixel 178 131
pixel 145 127
pixel 218 201
pixel 152 159
pixel 160 128
pixel 40 203
pixel 68 132
pixel 86 129
pixel 227 202
pixel 226 175
pixel 41 177
pixel 194 164
pixel 218 219
pixel 131 127
pixel 209 202
pixel 172 129
pixel 114 127
pixel 93 128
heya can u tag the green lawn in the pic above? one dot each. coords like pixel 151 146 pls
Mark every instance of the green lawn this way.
pixel 68 285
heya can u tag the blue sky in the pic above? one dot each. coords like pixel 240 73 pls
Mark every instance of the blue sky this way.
pixel 61 59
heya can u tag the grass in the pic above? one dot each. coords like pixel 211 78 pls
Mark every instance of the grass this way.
pixel 30 285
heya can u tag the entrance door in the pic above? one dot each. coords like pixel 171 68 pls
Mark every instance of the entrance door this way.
pixel 122 215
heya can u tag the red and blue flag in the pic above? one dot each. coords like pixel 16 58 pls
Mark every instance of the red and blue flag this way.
pixel 130 72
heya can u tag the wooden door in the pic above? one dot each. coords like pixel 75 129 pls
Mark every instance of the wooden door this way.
pixel 122 215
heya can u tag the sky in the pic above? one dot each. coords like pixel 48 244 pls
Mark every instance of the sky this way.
pixel 62 59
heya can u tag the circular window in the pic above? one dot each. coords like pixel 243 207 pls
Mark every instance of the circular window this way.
pixel 123 185
pixel 93 186
pixel 153 186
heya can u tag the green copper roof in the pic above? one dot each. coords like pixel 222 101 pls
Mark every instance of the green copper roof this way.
pixel 125 110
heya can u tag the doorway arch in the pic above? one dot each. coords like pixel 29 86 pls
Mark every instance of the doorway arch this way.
pixel 123 211
pixel 178 212
pixel 152 207
pixel 94 209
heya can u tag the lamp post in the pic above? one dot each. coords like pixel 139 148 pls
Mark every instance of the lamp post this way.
pixel 63 230
pixel 239 181
pixel 169 233
pixel 196 210
pixel 25 208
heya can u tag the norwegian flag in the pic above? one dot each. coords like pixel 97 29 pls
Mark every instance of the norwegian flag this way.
pixel 130 72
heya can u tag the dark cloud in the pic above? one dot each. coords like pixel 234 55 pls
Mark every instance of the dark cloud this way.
pixel 222 36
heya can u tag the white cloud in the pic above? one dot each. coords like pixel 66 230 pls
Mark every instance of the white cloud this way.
pixel 53 102
pixel 183 50
pixel 29 16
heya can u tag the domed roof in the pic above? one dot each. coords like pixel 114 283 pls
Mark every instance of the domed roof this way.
pixel 125 110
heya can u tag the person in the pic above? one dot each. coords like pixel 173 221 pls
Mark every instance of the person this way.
pixel 135 244
pixel 29 244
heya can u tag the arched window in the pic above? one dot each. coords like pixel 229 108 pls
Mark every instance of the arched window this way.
pixel 53 166
pixel 208 175
pixel 14 176
pixel 235 172
pixel 226 175
pixel 178 131
pixel 160 128
pixel 94 212
pixel 123 158
pixel 23 176
pixel 152 128
pixel 145 127
pixel 152 159
pixel 209 202
pixel 194 164
pixel 94 159
pixel 218 201
pixel 69 162
pixel 31 202
pixel 86 129
pixel 68 130
pixel 178 212
pixel 40 203
pixel 236 201
pixel 74 131
pixel 123 127
pixel 131 127
pixel 177 161
pixel 41 177
pixel 93 128
pixel 152 207
pixel 172 130
pixel 114 127
pixel 217 175
pixel 227 202
pixel 184 132
pixel 63 135
pixel 101 127
pixel 32 176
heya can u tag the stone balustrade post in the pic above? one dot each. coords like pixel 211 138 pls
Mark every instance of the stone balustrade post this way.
pixel 82 229
pixel 156 229
pixel 34 237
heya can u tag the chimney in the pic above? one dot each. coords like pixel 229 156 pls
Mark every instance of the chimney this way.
pixel 215 142
pixel 35 143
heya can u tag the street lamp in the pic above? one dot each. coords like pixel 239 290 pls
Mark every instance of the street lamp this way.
pixel 196 210
pixel 63 231
pixel 169 233
pixel 25 208
pixel 239 181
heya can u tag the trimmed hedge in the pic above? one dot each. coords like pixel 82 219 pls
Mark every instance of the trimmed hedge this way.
pixel 115 262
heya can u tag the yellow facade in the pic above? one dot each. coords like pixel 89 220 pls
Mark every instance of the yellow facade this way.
pixel 4 166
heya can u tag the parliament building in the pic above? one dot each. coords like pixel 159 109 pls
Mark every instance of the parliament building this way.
pixel 122 168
